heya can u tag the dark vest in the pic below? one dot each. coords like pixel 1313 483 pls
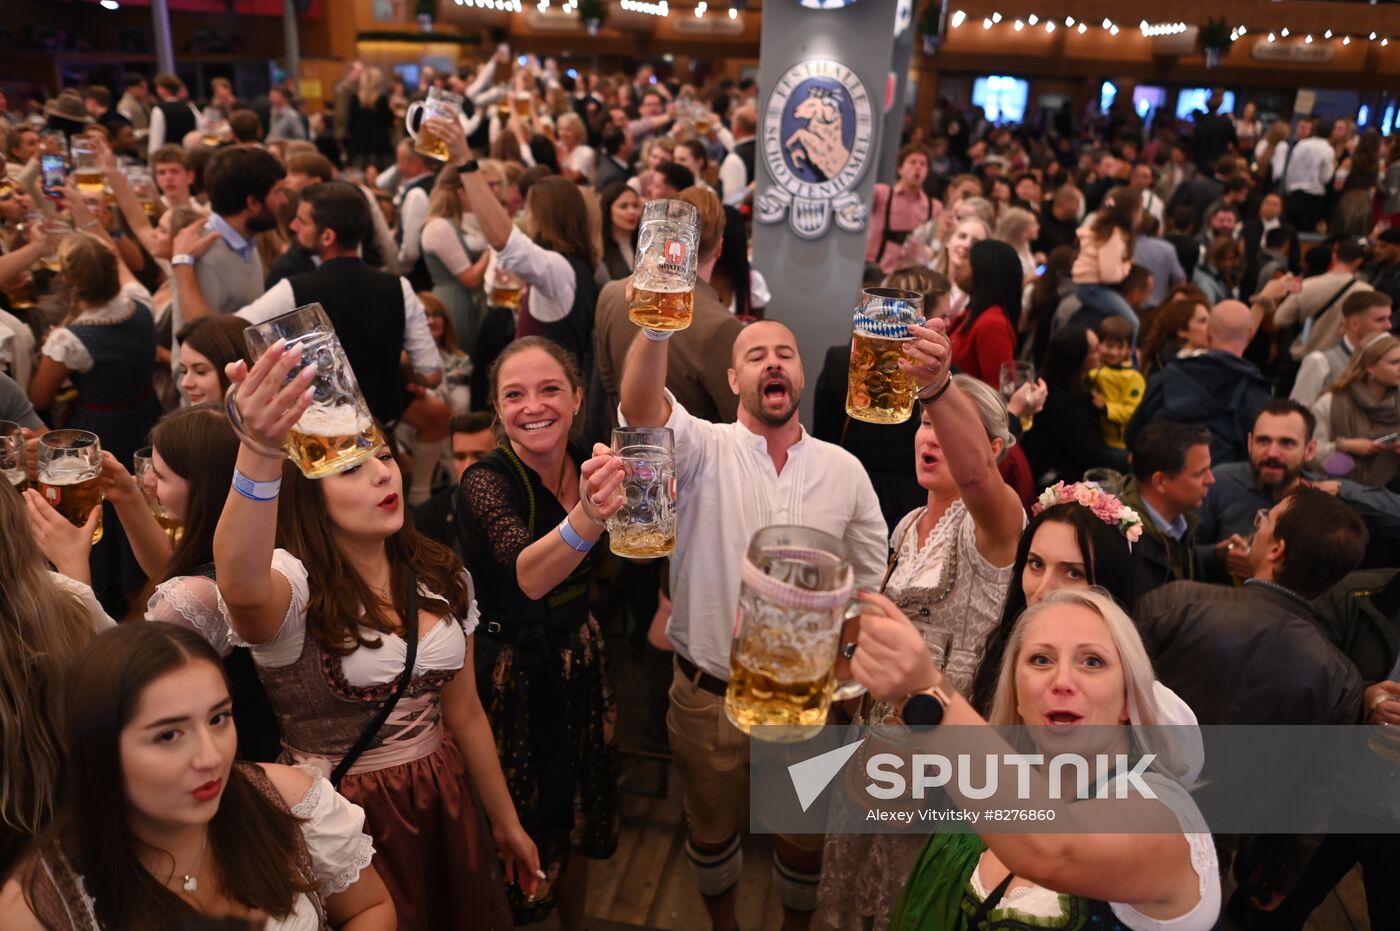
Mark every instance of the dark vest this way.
pixel 745 151
pixel 418 275
pixel 179 120
pixel 366 308
pixel 575 331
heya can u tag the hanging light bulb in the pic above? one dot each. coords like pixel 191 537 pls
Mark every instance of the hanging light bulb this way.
pixel 1069 22
pixel 1083 29
pixel 1271 37
pixel 1385 42
pixel 1307 40
pixel 733 13
pixel 1107 22
pixel 1018 25
pixel 1049 25
pixel 1242 29
pixel 1327 34
pixel 958 18
pixel 1113 30
pixel 986 24
pixel 1346 40
pixel 1373 37
pixel 1284 32
pixel 1032 19
pixel 996 17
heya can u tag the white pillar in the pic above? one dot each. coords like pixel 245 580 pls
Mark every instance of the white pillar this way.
pixel 291 40
pixel 160 25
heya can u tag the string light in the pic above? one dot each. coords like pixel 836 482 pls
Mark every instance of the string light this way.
pixel 733 13
pixel 1307 40
pixel 700 9
pixel 1083 29
pixel 1385 42
pixel 958 18
pixel 1032 19
pixel 1160 29
pixel 1373 37
pixel 986 24
pixel 659 8
pixel 1346 40
pixel 1107 22
pixel 1113 30
pixel 1327 34
pixel 1018 25
pixel 1049 25
pixel 996 17
pixel 1271 37
pixel 1069 22
pixel 1284 32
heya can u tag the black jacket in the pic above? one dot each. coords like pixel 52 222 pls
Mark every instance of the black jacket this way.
pixel 1066 438
pixel 1255 655
pixel 1157 558
pixel 1217 390
pixel 1361 617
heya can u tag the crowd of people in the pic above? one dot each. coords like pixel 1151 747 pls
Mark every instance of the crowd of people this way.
pixel 1188 514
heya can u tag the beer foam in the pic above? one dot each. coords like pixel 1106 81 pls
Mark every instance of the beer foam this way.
pixel 67 471
pixel 340 420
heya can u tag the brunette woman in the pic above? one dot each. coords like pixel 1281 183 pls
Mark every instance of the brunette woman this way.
pixel 161 827
pixel 530 515
pixel 1106 256
pixel 207 346
pixel 621 211
pixel 332 622
pixel 45 619
pixel 986 336
pixel 456 264
pixel 556 259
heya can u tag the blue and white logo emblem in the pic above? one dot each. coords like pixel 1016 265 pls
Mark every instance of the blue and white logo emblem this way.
pixel 818 137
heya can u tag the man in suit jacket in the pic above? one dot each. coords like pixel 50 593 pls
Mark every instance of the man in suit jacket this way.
pixel 616 163
pixel 1252 236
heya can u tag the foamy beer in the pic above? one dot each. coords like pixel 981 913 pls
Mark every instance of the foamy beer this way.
pixel 337 431
pixel 663 276
pixel 70 475
pixel 141 467
pixel 795 588
pixel 87 173
pixel 877 390
pixel 505 289
pixel 12 455
pixel 523 103
pixel 439 103
pixel 645 526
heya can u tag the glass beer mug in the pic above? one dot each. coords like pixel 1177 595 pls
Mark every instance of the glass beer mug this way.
pixel 877 390
pixel 70 475
pixel 439 103
pixel 87 173
pixel 505 289
pixel 794 602
pixel 663 276
pixel 337 430
pixel 645 526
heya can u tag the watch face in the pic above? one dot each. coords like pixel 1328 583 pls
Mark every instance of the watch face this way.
pixel 922 710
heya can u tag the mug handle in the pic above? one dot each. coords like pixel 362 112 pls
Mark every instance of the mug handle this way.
pixel 235 418
pixel 849 688
pixel 415 107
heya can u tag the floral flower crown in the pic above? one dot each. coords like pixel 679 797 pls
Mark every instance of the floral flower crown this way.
pixel 1105 507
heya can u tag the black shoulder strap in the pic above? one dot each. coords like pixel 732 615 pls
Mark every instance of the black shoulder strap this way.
pixel 1333 299
pixel 410 624
pixel 984 908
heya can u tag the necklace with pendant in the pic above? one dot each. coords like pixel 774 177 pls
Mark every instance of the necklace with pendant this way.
pixel 190 881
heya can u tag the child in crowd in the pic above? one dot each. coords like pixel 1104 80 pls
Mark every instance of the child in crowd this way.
pixel 1118 387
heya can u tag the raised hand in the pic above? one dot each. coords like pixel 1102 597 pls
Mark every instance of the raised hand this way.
pixel 66 546
pixel 600 484
pixel 926 356
pixel 194 240
pixel 450 132
pixel 268 402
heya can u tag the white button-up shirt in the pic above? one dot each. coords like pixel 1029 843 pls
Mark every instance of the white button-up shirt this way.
pixel 726 489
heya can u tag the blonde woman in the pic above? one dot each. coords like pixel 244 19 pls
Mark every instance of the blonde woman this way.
pixel 1073 660
pixel 371 121
pixel 1360 409
pixel 45 619
pixel 457 257
pixel 1271 155
pixel 655 151
pixel 577 159
pixel 953 258
pixel 1018 228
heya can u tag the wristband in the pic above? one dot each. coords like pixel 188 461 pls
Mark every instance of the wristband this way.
pixel 256 491
pixel 184 258
pixel 575 542
pixel 658 336
pixel 936 394
pixel 469 166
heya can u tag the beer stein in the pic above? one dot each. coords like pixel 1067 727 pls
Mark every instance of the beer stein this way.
pixel 1010 379
pixel 144 187
pixel 70 475
pixel 141 468
pixel 439 103
pixel 663 277
pixel 12 466
pixel 337 431
pixel 645 526
pixel 877 389
pixel 794 601
pixel 87 173
pixel 505 289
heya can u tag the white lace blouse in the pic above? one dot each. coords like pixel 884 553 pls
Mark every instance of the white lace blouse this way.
pixel 194 602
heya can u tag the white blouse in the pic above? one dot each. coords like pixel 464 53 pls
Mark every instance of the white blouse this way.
pixel 442 241
pixel 83 592
pixel 1039 902
pixel 334 830
pixel 63 345
pixel 444 647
